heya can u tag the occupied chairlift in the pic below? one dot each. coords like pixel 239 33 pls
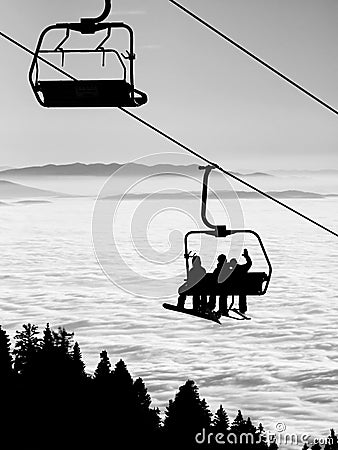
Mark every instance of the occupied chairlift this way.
pixel 251 283
pixel 87 93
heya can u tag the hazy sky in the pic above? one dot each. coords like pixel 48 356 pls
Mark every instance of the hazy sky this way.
pixel 201 90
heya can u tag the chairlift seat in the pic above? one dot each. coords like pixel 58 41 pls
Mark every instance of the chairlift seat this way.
pixel 88 93
pixel 250 283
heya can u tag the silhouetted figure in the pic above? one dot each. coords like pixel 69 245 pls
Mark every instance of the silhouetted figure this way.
pixel 220 274
pixel 240 271
pixel 195 275
pixel 221 266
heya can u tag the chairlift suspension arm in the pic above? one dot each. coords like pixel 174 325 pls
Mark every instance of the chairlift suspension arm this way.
pixel 105 13
pixel 207 171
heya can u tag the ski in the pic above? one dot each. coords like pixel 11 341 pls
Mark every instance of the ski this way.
pixel 208 316
pixel 244 316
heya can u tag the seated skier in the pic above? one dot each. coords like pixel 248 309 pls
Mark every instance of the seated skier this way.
pixel 195 275
pixel 239 271
pixel 220 274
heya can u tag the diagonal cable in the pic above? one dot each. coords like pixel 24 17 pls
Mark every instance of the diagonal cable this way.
pixel 255 57
pixel 26 49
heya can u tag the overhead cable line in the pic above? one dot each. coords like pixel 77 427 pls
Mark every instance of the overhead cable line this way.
pixel 184 147
pixel 26 49
pixel 255 57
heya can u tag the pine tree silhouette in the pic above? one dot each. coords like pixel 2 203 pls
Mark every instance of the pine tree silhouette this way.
pixel 261 439
pixel 249 426
pixel 221 426
pixel 6 361
pixel 186 416
pixel 46 365
pixel 332 440
pixel 123 398
pixel 102 371
pixel 26 349
pixel 78 364
pixel 122 383
pixel 221 421
pixel 238 425
pixel 146 419
pixel 141 393
pixel 48 341
pixel 63 340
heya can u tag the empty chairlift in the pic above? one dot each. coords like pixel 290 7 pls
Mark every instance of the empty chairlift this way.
pixel 87 93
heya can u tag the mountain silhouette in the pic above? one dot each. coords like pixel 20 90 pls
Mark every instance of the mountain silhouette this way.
pixel 100 169
pixel 223 195
pixel 10 190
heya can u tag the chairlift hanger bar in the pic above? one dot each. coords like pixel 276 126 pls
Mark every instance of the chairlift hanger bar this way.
pixel 256 58
pixel 105 13
pixel 179 144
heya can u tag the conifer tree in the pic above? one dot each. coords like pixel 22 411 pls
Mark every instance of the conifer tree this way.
pixel 250 428
pixel 78 364
pixel 121 387
pixel 333 440
pixel 6 362
pixel 221 422
pixel 143 399
pixel 63 341
pixel 102 371
pixel 48 340
pixel 121 377
pixel 261 437
pixel 238 425
pixel 26 348
pixel 187 415
pixel 148 419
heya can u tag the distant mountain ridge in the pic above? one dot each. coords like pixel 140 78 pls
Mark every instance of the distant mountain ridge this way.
pixel 298 172
pixel 101 169
pixel 10 190
pixel 291 194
